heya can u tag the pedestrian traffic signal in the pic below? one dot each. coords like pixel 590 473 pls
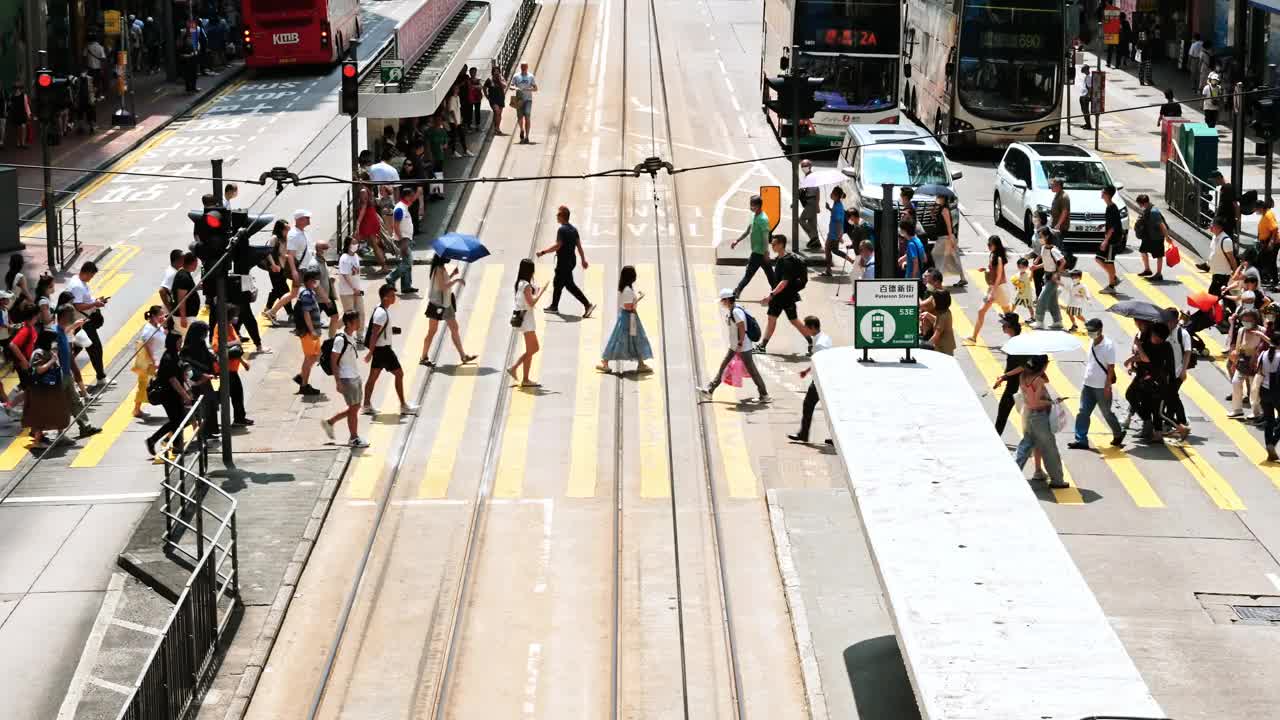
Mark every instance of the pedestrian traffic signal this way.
pixel 244 255
pixel 350 104
pixel 794 99
pixel 50 94
pixel 212 236
pixel 1266 116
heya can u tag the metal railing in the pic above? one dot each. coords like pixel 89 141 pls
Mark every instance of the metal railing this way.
pixel 1189 197
pixel 182 663
pixel 515 36
pixel 66 210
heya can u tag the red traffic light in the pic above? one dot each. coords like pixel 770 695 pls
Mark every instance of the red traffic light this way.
pixel 213 220
pixel 349 70
pixel 44 80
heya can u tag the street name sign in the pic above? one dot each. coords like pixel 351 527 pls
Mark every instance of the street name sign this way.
pixel 392 70
pixel 887 314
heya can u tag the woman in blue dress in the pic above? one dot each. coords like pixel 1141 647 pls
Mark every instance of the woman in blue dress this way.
pixel 628 341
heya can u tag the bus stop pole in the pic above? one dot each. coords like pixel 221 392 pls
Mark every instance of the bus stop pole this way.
pixel 887 236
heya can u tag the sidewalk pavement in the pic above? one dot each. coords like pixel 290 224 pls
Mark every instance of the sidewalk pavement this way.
pixel 1130 142
pixel 156 104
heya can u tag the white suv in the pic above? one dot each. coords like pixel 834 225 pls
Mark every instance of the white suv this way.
pixel 1022 188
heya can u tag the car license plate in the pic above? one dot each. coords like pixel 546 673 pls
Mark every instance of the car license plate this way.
pixel 285 38
pixel 1091 228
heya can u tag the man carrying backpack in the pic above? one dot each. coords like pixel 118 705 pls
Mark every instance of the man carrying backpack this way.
pixel 342 364
pixel 742 331
pixel 306 320
pixel 792 276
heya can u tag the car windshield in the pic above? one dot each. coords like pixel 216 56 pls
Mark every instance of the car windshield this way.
pixel 904 167
pixel 1075 174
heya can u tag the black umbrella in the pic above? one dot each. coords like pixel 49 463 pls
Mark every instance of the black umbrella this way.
pixel 1138 310
pixel 936 191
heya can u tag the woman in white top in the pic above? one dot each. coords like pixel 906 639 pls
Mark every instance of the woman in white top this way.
pixel 442 304
pixel 1268 365
pixel 453 113
pixel 628 340
pixel 147 358
pixel 349 280
pixel 997 285
pixel 527 297
pixel 16 282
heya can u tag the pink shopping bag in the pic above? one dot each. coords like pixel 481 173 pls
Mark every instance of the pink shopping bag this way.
pixel 734 372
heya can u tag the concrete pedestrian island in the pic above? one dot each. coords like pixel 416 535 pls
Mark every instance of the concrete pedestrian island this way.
pixel 992 616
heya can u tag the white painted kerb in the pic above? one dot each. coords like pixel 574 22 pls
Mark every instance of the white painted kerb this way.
pixel 993 618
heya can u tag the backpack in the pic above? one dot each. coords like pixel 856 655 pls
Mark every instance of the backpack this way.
pixel 753 327
pixel 326 353
pixel 368 331
pixel 798 275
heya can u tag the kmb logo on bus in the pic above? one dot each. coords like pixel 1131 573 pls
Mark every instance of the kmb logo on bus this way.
pixel 285 38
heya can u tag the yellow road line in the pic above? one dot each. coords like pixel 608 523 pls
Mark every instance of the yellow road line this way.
pixel 513 463
pixel 1139 489
pixel 990 368
pixel 18 448
pixel 739 475
pixel 453 418
pixel 1210 480
pixel 368 466
pixel 654 476
pixel 97 446
pixel 584 443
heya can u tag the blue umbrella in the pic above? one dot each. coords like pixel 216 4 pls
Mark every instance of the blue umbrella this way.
pixel 456 246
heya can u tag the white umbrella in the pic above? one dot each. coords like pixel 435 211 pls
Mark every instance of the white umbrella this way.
pixel 822 178
pixel 1041 343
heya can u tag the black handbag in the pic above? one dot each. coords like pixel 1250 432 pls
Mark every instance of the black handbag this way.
pixel 434 311
pixel 517 318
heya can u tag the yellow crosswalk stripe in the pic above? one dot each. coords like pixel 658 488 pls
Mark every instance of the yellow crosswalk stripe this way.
pixel 97 446
pixel 17 449
pixel 990 368
pixel 730 439
pixel 453 418
pixel 513 462
pixel 367 467
pixel 1125 470
pixel 654 477
pixel 1210 480
pixel 584 441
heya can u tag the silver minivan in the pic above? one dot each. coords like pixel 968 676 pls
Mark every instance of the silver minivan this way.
pixel 901 155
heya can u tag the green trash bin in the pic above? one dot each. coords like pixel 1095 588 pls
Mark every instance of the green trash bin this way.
pixel 1199 144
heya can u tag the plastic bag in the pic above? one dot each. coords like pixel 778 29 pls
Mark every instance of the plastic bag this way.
pixel 1059 418
pixel 1172 256
pixel 734 372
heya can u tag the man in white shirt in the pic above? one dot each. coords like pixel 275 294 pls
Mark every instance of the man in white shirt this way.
pixel 402 226
pixel 740 344
pixel 525 86
pixel 91 308
pixel 380 355
pixel 1085 88
pixel 346 375
pixel 1194 55
pixel 1095 391
pixel 95 58
pixel 166 285
pixel 349 290
pixel 1222 258
pixel 821 341
pixel 384 173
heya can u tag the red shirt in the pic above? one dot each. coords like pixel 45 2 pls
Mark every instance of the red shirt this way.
pixel 25 340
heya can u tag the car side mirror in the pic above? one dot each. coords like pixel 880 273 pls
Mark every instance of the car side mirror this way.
pixel 957 175
pixel 1119 187
pixel 1020 184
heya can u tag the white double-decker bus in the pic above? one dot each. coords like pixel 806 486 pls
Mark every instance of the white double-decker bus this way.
pixel 854 45
pixel 984 72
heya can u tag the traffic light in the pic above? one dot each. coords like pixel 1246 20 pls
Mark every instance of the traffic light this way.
pixel 350 88
pixel 244 255
pixel 212 237
pixel 794 101
pixel 1266 116
pixel 50 94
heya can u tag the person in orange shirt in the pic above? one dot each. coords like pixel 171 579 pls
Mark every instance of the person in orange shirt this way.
pixel 1268 245
pixel 235 361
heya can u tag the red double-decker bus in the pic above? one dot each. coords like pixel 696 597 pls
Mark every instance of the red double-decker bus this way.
pixel 298 32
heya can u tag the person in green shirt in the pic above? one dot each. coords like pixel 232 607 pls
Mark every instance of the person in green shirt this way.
pixel 437 138
pixel 759 232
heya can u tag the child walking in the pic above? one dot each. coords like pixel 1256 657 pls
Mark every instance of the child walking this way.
pixel 1025 288
pixel 628 340
pixel 1074 294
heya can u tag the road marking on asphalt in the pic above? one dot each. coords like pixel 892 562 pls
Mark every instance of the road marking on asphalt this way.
pixel 533 665
pixel 457 404
pixel 1210 480
pixel 81 499
pixel 730 438
pixel 584 442
pixel 1139 489
pixel 513 462
pixel 654 470
pixel 989 368
pixel 1275 580
pixel 120 622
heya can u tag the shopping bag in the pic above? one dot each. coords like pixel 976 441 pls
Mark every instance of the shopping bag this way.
pixel 1172 256
pixel 1059 418
pixel 734 372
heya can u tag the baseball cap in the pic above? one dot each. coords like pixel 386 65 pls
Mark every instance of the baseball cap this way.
pixel 6 295
pixel 299 214
pixel 726 293
pixel 1010 319
pixel 1093 324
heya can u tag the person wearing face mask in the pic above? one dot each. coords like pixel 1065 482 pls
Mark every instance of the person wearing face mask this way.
pixel 1180 343
pixel 1152 366
pixel 1269 370
pixel 1095 389
pixel 1242 366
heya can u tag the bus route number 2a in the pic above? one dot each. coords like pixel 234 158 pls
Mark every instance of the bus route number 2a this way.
pixel 285 38
pixel 850 38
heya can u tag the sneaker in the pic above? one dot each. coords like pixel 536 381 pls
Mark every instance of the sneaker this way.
pixel 706 391
pixel 89 431
pixel 409 291
pixel 358 443
pixel 1039 475
pixel 1077 445
pixel 1271 454
pixel 298 379
pixel 798 438
pixel 813 246
pixel 241 422
pixel 327 427
pixel 1058 484
pixel 587 313
pixel 408 409
pixel 1156 277
pixel 1144 273
pixel 468 153
pixel 1235 414
pixel 764 399
pixel 308 391
pixel 762 347
pixel 960 283
pixel 553 309
pixel 151 447
pixel 426 362
pixel 368 410
pixel 1118 440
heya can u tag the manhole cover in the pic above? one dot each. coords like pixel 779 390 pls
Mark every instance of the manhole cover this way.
pixel 1258 614
pixel 1228 453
